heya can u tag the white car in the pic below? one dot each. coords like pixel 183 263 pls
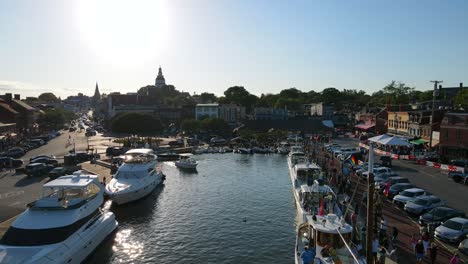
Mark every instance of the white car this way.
pixel 407 195
pixel 423 203
pixel 379 172
pixel 453 230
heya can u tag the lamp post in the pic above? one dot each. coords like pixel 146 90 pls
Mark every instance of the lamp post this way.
pixel 434 94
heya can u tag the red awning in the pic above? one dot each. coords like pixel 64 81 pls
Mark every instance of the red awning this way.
pixel 364 126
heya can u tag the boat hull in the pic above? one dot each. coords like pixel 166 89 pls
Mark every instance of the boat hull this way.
pixel 74 249
pixel 134 194
pixel 182 165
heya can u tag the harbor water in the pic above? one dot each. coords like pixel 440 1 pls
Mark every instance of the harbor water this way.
pixel 234 209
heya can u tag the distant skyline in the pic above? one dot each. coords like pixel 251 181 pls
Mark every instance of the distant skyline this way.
pixel 65 47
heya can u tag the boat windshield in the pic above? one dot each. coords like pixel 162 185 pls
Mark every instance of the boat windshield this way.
pixel 37 237
pixel 133 174
pixel 138 158
pixel 65 197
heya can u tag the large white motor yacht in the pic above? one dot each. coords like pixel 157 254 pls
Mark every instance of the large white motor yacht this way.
pixel 136 178
pixel 64 226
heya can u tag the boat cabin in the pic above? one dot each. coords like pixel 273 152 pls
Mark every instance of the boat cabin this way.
pixel 308 172
pixel 329 236
pixel 314 196
pixel 68 192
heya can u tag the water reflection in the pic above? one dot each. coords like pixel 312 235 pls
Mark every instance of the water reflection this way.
pixel 125 243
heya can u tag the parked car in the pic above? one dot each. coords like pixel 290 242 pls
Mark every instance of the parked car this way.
pixel 423 203
pixel 438 215
pixel 115 151
pixel 463 246
pixel 15 152
pixel 453 230
pixel 41 156
pixel 386 161
pixel 459 177
pixel 37 142
pixel 85 156
pixel 379 172
pixel 38 169
pixel 71 129
pixel 90 133
pixel 45 138
pixel 57 172
pixel 407 195
pixel 393 180
pixel 459 163
pixel 9 162
pixel 45 160
pixel 397 188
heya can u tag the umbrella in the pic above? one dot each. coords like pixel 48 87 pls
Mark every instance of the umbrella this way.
pixel 378 138
pixel 394 141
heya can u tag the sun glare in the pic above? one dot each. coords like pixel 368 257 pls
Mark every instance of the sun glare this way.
pixel 123 32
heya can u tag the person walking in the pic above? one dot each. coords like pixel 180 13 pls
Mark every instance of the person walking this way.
pixel 375 249
pixel 413 241
pixel 419 251
pixel 425 240
pixel 433 251
pixel 394 236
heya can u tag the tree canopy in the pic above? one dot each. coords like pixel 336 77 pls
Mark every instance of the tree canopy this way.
pixel 47 97
pixel 135 123
pixel 460 102
pixel 55 118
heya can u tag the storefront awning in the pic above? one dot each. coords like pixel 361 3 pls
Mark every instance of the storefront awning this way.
pixel 364 126
pixel 418 142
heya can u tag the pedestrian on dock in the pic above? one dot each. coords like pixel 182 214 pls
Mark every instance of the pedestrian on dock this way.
pixel 414 241
pixel 419 251
pixel 433 249
pixel 375 249
pixel 425 240
pixel 394 236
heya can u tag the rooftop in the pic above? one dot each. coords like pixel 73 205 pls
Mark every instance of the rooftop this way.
pixel 72 181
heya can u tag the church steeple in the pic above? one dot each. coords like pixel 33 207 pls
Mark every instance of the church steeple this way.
pixel 160 81
pixel 97 94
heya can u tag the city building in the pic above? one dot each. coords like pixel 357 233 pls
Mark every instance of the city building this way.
pixel 398 123
pixel 323 110
pixel 27 115
pixel 419 123
pixel 160 81
pixel 231 113
pixel 372 119
pixel 264 113
pixel 453 138
pixel 97 94
pixel 206 110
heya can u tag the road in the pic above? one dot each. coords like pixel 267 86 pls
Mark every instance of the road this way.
pixel 433 180
pixel 17 190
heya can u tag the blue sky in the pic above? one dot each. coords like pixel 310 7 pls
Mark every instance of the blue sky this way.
pixel 266 46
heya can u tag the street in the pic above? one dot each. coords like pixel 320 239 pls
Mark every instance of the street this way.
pixel 17 190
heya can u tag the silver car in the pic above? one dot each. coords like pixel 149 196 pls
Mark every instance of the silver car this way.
pixel 423 203
pixel 453 230
pixel 407 195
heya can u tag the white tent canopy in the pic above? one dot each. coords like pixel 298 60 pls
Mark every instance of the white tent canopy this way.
pixel 378 138
pixel 394 141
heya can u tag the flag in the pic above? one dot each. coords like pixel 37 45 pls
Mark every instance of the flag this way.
pixel 387 187
pixel 354 161
pixel 320 212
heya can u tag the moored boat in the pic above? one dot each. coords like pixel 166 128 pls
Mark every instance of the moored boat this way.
pixel 136 178
pixel 64 226
pixel 186 162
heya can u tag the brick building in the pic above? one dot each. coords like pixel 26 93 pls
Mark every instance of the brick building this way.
pixel 453 142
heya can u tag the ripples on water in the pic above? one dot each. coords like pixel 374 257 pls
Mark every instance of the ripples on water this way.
pixel 235 209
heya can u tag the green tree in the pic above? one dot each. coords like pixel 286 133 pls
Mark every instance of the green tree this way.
pixel 240 96
pixel 190 125
pixel 214 125
pixel 55 118
pixel 331 95
pixel 47 97
pixel 460 102
pixel 135 123
pixel 208 98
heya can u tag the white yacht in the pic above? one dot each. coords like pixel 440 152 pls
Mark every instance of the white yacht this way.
pixel 330 236
pixel 186 162
pixel 136 178
pixel 64 226
pixel 283 148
